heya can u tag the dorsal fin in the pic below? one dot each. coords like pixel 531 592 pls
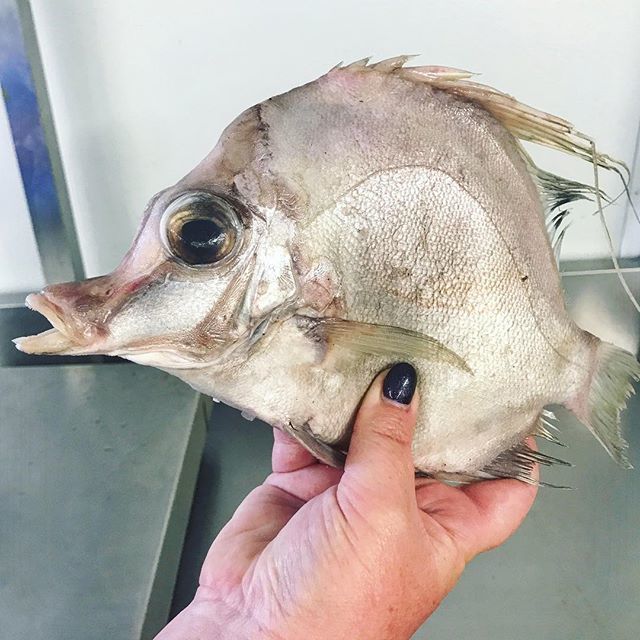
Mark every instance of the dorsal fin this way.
pixel 524 122
pixel 557 194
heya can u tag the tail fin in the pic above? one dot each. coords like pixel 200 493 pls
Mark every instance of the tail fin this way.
pixel 606 397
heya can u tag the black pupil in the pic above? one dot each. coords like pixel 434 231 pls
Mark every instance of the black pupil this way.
pixel 202 240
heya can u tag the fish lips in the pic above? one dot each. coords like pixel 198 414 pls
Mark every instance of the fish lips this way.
pixel 67 337
pixel 64 338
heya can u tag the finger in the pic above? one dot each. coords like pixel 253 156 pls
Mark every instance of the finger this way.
pixel 257 521
pixel 379 454
pixel 495 500
pixel 288 454
pixel 265 510
pixel 307 483
pixel 263 513
pixel 479 516
pixel 501 507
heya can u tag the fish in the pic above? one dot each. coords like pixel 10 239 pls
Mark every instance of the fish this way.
pixel 381 213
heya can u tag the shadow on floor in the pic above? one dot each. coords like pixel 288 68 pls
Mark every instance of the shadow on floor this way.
pixel 231 443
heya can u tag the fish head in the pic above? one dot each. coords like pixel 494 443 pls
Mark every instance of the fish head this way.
pixel 209 266
pixel 232 246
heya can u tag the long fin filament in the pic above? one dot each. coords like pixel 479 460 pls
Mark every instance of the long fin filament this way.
pixel 614 258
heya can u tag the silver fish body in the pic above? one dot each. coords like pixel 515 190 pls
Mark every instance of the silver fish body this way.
pixel 379 214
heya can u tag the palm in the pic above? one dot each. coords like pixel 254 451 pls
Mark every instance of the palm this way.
pixel 364 552
pixel 290 533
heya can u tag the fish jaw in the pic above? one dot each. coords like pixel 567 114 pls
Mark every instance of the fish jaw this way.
pixel 63 338
pixel 69 338
pixel 51 341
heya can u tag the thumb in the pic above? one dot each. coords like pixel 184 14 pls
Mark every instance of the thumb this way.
pixel 380 449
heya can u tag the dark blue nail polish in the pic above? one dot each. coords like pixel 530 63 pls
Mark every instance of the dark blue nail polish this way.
pixel 400 383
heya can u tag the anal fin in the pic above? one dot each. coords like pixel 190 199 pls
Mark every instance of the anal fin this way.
pixel 545 428
pixel 516 463
pixel 519 461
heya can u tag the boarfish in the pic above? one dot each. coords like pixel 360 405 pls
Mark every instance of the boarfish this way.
pixel 377 214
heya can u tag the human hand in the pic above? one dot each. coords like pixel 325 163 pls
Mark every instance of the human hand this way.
pixel 366 553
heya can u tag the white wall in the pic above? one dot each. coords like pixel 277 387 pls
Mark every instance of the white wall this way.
pixel 141 90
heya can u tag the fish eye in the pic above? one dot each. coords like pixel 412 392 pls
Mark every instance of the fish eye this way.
pixel 200 228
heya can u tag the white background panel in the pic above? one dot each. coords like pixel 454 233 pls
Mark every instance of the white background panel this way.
pixel 141 90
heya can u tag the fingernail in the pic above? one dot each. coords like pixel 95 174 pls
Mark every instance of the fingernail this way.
pixel 400 383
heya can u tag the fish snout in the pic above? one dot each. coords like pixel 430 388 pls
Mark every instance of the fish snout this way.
pixel 83 301
pixel 83 307
pixel 78 313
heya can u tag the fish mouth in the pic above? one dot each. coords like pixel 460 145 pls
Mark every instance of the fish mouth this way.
pixel 70 337
pixel 61 339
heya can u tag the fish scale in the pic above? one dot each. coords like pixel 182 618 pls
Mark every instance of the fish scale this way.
pixel 379 213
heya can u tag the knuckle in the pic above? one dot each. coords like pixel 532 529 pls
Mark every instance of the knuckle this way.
pixel 392 425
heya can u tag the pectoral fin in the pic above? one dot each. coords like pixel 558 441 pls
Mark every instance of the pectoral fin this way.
pixel 387 341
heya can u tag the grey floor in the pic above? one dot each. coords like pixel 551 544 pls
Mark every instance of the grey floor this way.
pixel 98 463
pixel 572 571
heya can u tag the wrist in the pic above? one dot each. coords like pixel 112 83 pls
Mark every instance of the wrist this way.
pixel 230 618
pixel 222 620
pixel 219 618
